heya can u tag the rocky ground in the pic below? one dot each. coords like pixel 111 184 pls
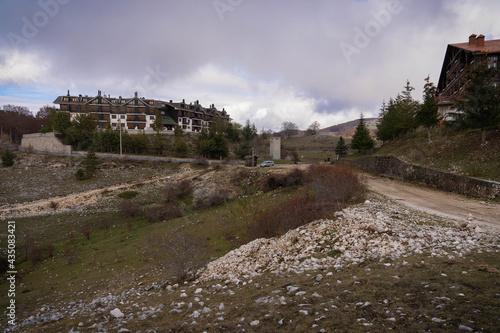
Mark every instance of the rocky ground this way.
pixel 377 231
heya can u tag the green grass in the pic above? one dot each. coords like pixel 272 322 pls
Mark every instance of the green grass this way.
pixel 457 152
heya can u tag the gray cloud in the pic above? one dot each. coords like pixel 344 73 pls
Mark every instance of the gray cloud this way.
pixel 281 56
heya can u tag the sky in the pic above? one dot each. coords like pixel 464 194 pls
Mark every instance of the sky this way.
pixel 264 61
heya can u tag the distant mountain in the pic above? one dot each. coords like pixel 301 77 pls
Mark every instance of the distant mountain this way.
pixel 347 130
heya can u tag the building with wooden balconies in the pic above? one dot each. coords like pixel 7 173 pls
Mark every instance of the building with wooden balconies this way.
pixel 458 59
pixel 139 113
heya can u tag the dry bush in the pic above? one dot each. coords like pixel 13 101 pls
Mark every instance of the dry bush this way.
pixel 273 182
pixel 128 208
pixel 71 236
pixel 35 254
pixel 181 254
pixel 201 161
pixel 293 178
pixel 104 223
pixel 53 205
pixel 215 198
pixel 335 183
pixel 185 189
pixel 70 255
pixel 49 250
pixel 86 231
pixel 283 217
pixel 177 191
pixel 165 212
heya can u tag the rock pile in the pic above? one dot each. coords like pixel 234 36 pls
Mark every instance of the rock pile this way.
pixel 371 230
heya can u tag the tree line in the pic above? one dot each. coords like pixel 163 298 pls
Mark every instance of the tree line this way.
pixel 478 107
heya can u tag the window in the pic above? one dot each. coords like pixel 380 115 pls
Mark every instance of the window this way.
pixel 493 61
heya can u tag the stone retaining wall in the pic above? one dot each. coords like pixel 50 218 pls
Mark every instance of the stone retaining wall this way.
pixel 394 167
pixel 45 142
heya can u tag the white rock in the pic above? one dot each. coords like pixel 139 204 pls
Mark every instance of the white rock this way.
pixel 465 328
pixel 116 313
pixel 255 323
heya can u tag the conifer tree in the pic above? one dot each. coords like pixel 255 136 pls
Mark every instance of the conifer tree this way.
pixel 480 105
pixel 341 148
pixel 362 141
pixel 427 114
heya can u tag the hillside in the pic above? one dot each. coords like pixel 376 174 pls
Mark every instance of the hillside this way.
pixel 347 130
pixel 457 152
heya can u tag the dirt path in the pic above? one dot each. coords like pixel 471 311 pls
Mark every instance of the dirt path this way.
pixel 64 203
pixel 439 203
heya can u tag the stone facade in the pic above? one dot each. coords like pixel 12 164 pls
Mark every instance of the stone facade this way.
pixel 46 142
pixel 394 167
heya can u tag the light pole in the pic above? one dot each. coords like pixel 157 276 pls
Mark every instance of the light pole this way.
pixel 120 125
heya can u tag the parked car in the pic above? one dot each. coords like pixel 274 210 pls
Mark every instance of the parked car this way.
pixel 266 164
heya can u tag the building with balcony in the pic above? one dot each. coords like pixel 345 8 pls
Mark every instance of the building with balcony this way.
pixel 139 113
pixel 458 59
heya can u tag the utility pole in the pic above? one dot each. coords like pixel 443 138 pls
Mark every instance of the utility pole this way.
pixel 120 124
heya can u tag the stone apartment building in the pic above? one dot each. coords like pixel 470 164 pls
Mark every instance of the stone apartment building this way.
pixel 457 60
pixel 139 113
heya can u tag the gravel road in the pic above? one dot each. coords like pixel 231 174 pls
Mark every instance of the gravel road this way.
pixel 440 203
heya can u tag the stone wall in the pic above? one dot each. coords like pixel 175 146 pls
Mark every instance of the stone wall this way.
pixel 45 142
pixel 394 167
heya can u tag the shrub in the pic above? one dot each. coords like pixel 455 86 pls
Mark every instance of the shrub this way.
pixel 70 255
pixel 201 161
pixel 295 177
pixel 8 158
pixel 35 254
pixel 181 254
pixel 185 189
pixel 53 205
pixel 285 216
pixel 128 194
pixel 71 236
pixel 178 190
pixel 80 174
pixel 128 208
pixel 86 231
pixel 166 212
pixel 104 223
pixel 335 183
pixel 215 198
pixel 49 250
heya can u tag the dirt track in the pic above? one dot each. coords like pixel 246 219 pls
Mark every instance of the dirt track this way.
pixel 439 203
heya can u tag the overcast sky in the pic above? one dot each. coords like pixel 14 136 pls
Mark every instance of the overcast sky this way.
pixel 268 61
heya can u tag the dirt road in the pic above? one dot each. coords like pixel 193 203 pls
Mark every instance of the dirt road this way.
pixel 439 203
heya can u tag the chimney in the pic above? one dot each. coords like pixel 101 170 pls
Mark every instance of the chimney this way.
pixel 68 92
pixel 171 101
pixel 480 41
pixel 472 39
pixel 98 92
pixel 136 95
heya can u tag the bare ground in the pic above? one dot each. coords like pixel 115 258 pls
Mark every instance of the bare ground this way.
pixel 440 203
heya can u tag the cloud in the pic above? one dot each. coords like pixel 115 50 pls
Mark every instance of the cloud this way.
pixel 22 68
pixel 267 61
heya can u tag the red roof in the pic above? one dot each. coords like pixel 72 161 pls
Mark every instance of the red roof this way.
pixel 490 46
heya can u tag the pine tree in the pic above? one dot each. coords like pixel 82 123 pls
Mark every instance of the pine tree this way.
pixel 362 141
pixel 480 105
pixel 341 148
pixel 158 123
pixel 428 115
pixel 8 158
pixel 90 162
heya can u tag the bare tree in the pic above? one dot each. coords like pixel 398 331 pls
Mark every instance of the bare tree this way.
pixel 313 128
pixel 289 129
pixel 181 253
